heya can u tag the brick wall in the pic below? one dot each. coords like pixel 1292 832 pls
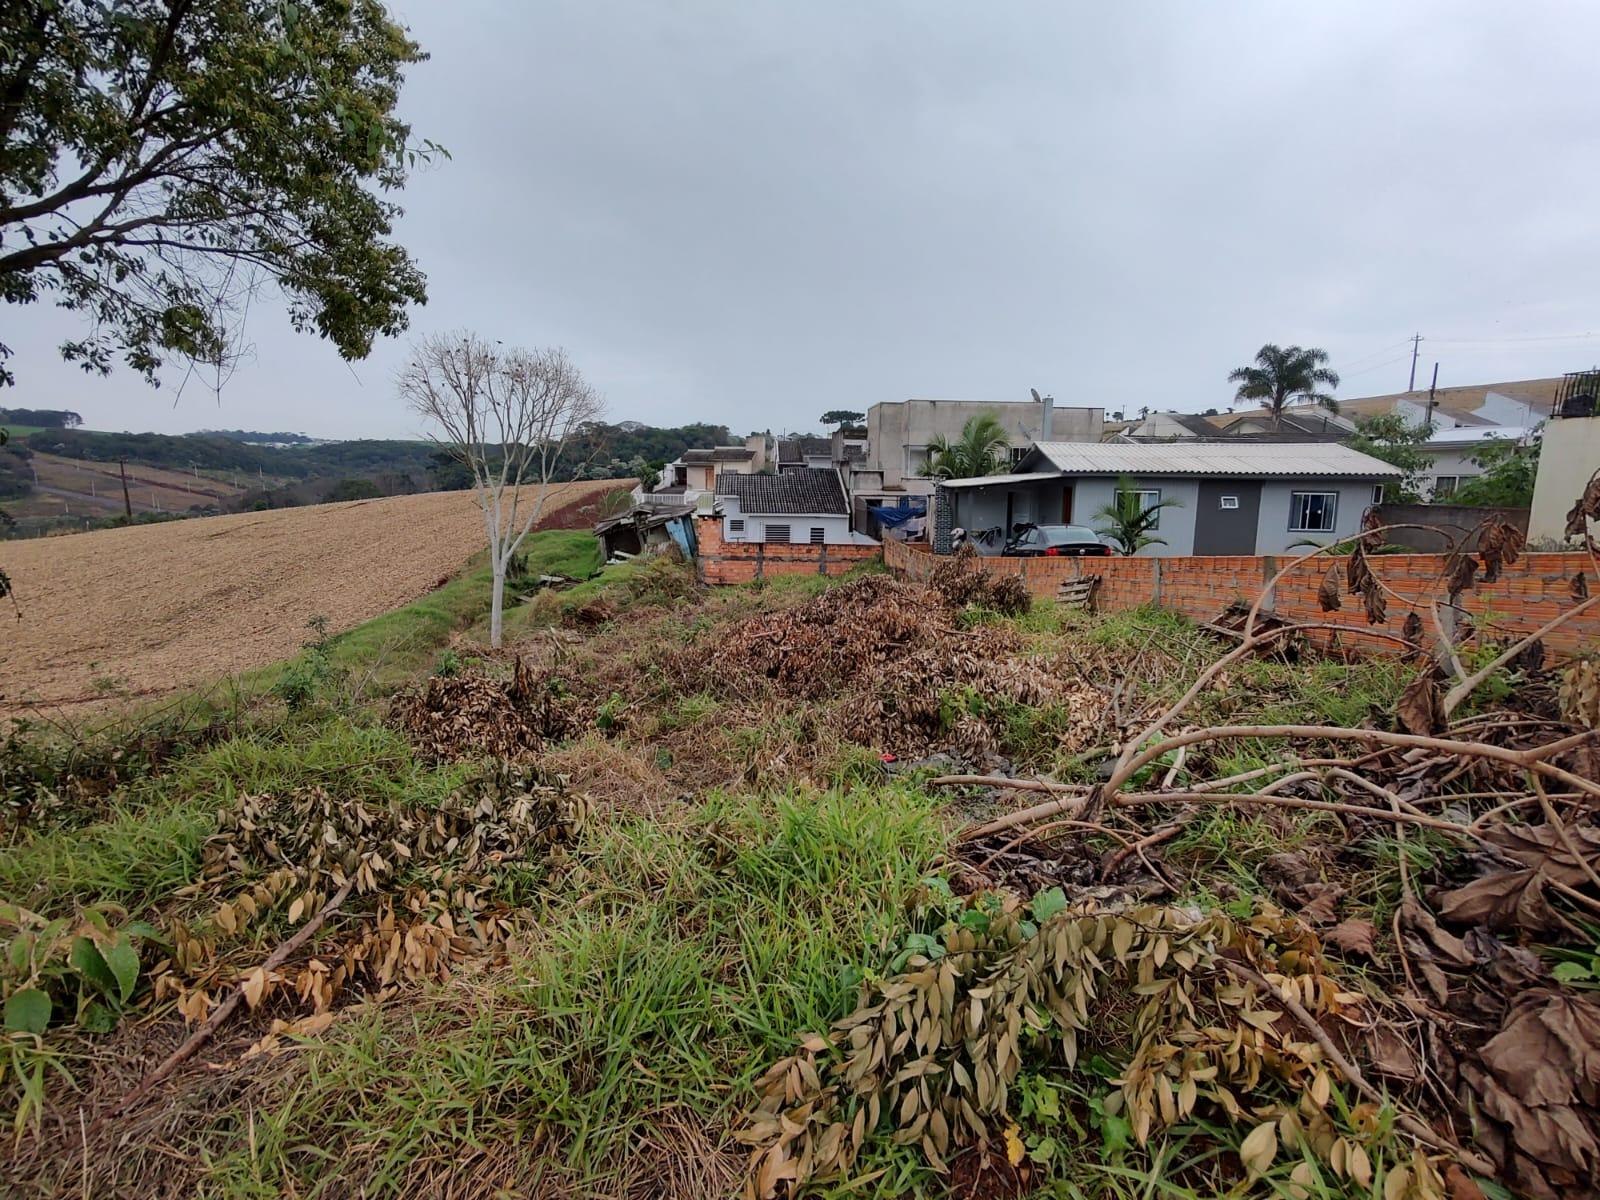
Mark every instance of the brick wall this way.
pixel 719 561
pixel 1525 596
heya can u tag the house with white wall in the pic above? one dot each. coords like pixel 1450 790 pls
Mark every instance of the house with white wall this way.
pixel 1232 497
pixel 800 506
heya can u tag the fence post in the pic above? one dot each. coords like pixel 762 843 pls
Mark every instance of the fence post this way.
pixel 1269 568
pixel 822 560
pixel 1155 582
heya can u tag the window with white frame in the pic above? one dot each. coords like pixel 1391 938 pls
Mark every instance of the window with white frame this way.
pixel 1229 502
pixel 818 533
pixel 1312 512
pixel 1149 498
pixel 1377 493
pixel 1445 485
pixel 778 533
pixel 735 524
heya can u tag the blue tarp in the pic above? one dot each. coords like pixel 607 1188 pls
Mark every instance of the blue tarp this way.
pixel 893 518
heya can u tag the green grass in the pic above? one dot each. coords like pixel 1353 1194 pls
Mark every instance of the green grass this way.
pixel 389 651
pixel 149 843
pixel 696 955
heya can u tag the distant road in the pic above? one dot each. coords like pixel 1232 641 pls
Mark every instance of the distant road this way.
pixel 161 607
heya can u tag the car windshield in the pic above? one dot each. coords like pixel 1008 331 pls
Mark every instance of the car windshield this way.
pixel 1067 535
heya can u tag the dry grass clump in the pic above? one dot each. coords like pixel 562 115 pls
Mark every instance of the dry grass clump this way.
pixel 961 581
pixel 906 674
pixel 481 714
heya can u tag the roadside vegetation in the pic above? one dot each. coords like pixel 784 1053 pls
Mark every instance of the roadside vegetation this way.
pixel 692 893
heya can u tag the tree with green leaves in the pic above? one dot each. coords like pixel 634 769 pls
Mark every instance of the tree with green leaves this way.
pixel 1389 438
pixel 163 160
pixel 1284 376
pixel 842 416
pixel 980 450
pixel 1128 521
pixel 1509 470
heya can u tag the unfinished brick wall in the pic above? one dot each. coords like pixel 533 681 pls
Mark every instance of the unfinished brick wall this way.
pixel 1526 595
pixel 719 561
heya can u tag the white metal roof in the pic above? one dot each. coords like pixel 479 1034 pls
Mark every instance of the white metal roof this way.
pixel 1470 435
pixel 1229 459
pixel 983 481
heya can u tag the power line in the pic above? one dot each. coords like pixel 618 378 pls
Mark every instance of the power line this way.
pixel 1554 337
pixel 1356 362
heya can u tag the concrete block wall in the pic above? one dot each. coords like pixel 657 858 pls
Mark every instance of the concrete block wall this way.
pixel 722 561
pixel 1526 596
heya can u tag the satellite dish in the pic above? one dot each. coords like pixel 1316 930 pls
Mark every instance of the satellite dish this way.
pixel 1036 397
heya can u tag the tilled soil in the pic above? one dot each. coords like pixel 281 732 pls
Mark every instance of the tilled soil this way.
pixel 152 609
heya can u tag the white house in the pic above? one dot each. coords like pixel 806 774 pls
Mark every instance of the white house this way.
pixel 802 505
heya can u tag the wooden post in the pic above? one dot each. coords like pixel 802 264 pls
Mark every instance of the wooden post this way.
pixel 127 502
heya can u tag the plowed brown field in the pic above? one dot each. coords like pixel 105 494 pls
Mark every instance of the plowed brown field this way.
pixel 161 607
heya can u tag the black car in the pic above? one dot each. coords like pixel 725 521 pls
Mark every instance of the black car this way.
pixel 1054 541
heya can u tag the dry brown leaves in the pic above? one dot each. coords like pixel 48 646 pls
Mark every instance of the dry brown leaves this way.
pixel 909 677
pixel 934 1051
pixel 1579 693
pixel 1537 1082
pixel 425 882
pixel 1499 545
pixel 481 714
pixel 1515 899
pixel 962 581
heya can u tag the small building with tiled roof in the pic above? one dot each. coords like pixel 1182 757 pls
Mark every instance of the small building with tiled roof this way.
pixel 803 505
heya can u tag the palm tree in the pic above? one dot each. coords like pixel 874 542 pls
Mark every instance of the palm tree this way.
pixel 980 450
pixel 1285 375
pixel 1129 521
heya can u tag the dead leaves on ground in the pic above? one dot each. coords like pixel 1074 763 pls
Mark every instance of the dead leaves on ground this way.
pixel 425 896
pixel 1538 1083
pixel 1515 899
pixel 929 1057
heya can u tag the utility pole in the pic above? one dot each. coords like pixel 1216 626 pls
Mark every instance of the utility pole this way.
pixel 1416 344
pixel 127 504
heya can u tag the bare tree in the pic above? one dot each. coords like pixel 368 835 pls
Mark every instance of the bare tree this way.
pixel 508 416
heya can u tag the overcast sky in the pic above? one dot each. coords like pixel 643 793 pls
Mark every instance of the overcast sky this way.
pixel 751 212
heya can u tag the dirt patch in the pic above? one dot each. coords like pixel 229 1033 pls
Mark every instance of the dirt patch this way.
pixel 157 608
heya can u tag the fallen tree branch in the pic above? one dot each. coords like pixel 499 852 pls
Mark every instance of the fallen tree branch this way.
pixel 1413 1125
pixel 1529 759
pixel 226 1009
pixel 1467 686
pixel 1271 799
pixel 1005 781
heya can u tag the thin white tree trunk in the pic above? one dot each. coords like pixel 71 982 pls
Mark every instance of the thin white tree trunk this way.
pixel 497 604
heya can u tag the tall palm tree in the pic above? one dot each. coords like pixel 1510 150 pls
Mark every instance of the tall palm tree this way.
pixel 980 450
pixel 1128 521
pixel 1285 375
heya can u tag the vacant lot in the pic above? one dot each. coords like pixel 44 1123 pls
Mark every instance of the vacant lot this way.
pixel 155 608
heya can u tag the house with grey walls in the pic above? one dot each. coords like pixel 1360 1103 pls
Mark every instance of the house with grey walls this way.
pixel 1232 497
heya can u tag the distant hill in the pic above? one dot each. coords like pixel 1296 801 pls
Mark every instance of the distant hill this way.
pixel 49 480
pixel 257 438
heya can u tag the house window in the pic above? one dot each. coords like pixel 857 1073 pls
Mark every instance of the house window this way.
pixel 1018 453
pixel 1230 502
pixel 817 534
pixel 917 459
pixel 778 533
pixel 1312 512
pixel 1445 486
pixel 1377 493
pixel 1148 499
pixel 735 524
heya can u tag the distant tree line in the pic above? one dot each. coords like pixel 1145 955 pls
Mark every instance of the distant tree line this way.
pixel 628 450
pixel 257 436
pixel 45 418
